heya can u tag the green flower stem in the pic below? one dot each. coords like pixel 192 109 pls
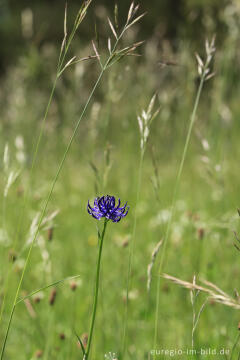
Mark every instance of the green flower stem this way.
pixel 49 196
pixel 44 211
pixel 95 301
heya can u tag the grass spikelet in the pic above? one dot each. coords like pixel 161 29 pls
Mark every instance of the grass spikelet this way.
pixel 218 295
pixel 151 264
pixel 52 297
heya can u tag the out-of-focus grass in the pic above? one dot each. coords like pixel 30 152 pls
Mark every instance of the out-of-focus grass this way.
pixel 208 199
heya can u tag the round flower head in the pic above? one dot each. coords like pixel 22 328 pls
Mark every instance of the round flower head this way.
pixel 105 207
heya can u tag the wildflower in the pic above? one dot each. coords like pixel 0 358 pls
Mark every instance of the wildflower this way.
pixel 105 207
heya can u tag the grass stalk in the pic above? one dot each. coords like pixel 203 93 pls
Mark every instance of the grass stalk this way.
pixel 103 69
pixel 26 194
pixel 144 122
pixel 36 147
pixel 173 206
pixel 44 211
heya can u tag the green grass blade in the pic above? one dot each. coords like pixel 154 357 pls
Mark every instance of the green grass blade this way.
pixel 46 287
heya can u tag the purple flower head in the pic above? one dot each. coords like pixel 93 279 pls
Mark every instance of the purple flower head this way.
pixel 105 207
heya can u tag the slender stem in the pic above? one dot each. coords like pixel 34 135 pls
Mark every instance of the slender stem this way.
pixel 45 208
pixel 131 250
pixel 22 213
pixel 104 68
pixel 173 206
pixel 60 66
pixel 95 301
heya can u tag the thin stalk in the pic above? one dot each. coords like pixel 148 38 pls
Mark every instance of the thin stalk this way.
pixel 104 68
pixel 36 149
pixel 45 208
pixel 131 249
pixel 60 65
pixel 19 222
pixel 95 301
pixel 173 206
pixel 2 305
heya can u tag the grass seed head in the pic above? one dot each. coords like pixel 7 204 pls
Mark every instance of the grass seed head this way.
pixel 12 256
pixel 52 297
pixel 62 336
pixel 38 354
pixel 50 233
pixel 73 285
pixel 200 233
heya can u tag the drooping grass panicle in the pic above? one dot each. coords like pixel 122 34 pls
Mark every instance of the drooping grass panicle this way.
pixel 60 68
pixel 67 40
pixel 80 16
pixel 214 292
pixel 196 315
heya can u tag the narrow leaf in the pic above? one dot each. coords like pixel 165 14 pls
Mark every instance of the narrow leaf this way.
pixel 65 31
pixel 199 60
pixel 130 12
pixel 80 342
pixel 96 34
pixel 84 59
pixel 109 46
pixel 135 20
pixel 210 76
pixel 116 15
pixel 95 50
pixel 46 287
pixel 112 28
pixel 70 62
pixel 65 21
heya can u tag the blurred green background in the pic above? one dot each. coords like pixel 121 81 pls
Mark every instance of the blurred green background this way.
pixel 104 158
pixel 183 20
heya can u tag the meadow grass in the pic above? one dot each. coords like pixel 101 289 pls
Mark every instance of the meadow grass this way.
pixel 60 244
